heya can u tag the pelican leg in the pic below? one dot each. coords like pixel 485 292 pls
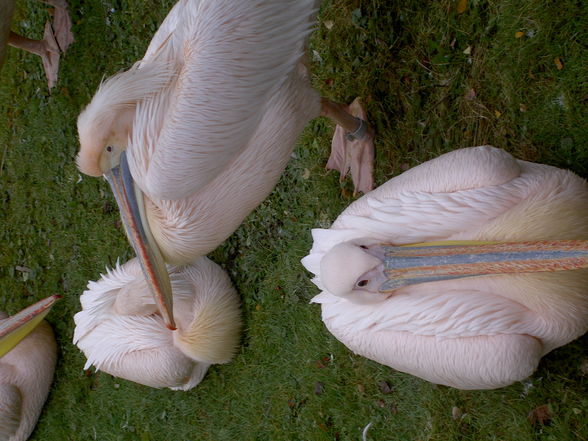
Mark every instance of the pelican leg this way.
pixel 352 147
pixel 47 49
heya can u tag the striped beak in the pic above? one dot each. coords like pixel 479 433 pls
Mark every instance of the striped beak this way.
pixel 132 211
pixel 429 262
pixel 13 329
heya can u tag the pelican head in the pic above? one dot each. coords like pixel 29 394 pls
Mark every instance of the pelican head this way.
pixel 343 271
pixel 370 273
pixel 105 129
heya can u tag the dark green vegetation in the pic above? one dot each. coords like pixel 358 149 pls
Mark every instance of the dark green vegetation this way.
pixel 433 80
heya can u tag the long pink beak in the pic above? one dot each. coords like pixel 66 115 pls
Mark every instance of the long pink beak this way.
pixel 130 203
pixel 15 328
pixel 430 262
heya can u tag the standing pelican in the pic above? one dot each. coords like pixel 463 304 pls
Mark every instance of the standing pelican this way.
pixel 121 331
pixel 478 332
pixel 28 353
pixel 208 120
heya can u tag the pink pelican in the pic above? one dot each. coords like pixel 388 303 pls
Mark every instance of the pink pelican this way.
pixel 28 353
pixel 478 332
pixel 196 134
pixel 121 331
pixel 56 39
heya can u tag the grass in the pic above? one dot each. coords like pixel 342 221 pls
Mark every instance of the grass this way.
pixel 433 80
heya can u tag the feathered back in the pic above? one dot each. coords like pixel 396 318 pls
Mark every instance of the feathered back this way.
pixel 127 337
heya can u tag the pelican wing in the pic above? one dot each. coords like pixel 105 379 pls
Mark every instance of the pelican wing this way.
pixel 235 56
pixel 10 408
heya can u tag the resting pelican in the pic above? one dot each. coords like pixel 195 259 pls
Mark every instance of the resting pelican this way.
pixel 120 330
pixel 28 353
pixel 208 120
pixel 479 332
pixel 56 39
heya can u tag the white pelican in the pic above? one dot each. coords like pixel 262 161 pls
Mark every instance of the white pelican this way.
pixel 121 332
pixel 56 39
pixel 208 120
pixel 470 333
pixel 28 353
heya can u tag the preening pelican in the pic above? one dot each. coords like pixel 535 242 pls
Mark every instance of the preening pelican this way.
pixel 478 332
pixel 208 120
pixel 28 353
pixel 56 39
pixel 121 331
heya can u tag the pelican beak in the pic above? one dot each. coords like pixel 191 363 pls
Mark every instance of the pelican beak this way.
pixel 15 328
pixel 434 261
pixel 132 210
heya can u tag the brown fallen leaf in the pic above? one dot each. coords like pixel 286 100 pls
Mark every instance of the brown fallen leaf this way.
pixel 558 63
pixel 470 95
pixel 540 415
pixel 385 387
pixel 519 34
pixel 319 388
pixel 462 5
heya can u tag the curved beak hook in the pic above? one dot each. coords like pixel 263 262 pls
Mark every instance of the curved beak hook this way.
pixel 132 210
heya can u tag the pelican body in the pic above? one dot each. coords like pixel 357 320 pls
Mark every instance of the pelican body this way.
pixel 207 121
pixel 482 331
pixel 28 353
pixel 121 332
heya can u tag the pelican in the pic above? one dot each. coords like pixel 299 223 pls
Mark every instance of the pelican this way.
pixel 437 319
pixel 121 331
pixel 196 134
pixel 28 353
pixel 57 37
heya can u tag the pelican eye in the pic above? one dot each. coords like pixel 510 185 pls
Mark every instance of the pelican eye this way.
pixel 109 148
pixel 362 282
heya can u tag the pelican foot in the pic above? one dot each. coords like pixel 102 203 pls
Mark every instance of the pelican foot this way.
pixel 61 24
pixel 354 151
pixel 50 55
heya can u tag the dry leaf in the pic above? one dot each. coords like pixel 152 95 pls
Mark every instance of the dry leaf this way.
pixel 540 415
pixel 558 63
pixel 467 50
pixel 462 5
pixel 522 107
pixel 319 388
pixel 470 95
pixel 519 34
pixel 456 413
pixel 384 387
pixel 497 113
pixel 329 24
